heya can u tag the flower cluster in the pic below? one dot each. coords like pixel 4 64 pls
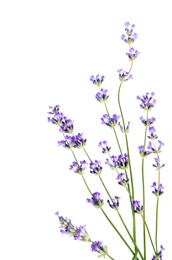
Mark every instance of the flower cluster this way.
pixel 78 168
pixel 66 227
pixel 98 247
pixel 96 201
pixel 115 203
pixel 110 121
pixel 97 80
pixel 130 36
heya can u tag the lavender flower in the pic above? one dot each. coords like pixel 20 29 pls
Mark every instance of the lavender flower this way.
pixel 115 204
pixel 57 119
pixel 157 163
pixel 102 95
pixel 54 110
pixel 97 246
pixel 147 122
pixel 111 122
pixel 68 143
pixel 137 208
pixel 79 141
pixel 123 180
pixel 143 152
pixel 105 147
pixel 154 150
pixel 147 102
pixel 112 166
pixel 132 54
pixel 96 167
pixel 126 129
pixel 123 75
pixel 130 36
pixel 66 125
pixel 159 254
pixel 152 133
pixel 97 80
pixel 121 161
pixel 157 191
pixel 96 201
pixel 78 168
pixel 79 233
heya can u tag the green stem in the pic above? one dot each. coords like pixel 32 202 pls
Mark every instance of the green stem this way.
pixel 128 152
pixel 143 193
pixel 149 234
pixel 130 235
pixel 118 232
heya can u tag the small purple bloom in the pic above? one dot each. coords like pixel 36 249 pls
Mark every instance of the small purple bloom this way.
pixel 68 143
pixel 96 167
pixel 152 133
pixel 157 191
pixel 130 36
pixel 54 110
pixel 143 152
pixel 66 125
pixel 157 163
pixel 159 254
pixel 79 141
pixel 154 150
pixel 98 247
pixel 78 168
pixel 147 122
pixel 57 119
pixel 115 204
pixel 121 161
pixel 132 54
pixel 126 129
pixel 97 80
pixel 123 75
pixel 137 208
pixel 105 147
pixel 96 201
pixel 102 95
pixel 111 122
pixel 112 166
pixel 147 102
pixel 79 233
pixel 122 179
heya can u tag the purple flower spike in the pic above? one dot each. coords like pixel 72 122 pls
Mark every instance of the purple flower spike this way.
pixel 147 101
pixel 121 161
pixel 68 143
pixel 66 126
pixel 102 95
pixel 147 122
pixel 158 150
pixel 79 233
pixel 157 191
pixel 137 208
pixel 96 201
pixel 79 141
pixel 122 179
pixel 105 147
pixel 115 204
pixel 132 54
pixel 126 129
pixel 78 168
pixel 97 80
pixel 157 164
pixel 96 167
pixel 152 133
pixel 159 254
pixel 123 75
pixel 111 122
pixel 112 166
pixel 97 246
pixel 129 36
pixel 143 152
pixel 54 110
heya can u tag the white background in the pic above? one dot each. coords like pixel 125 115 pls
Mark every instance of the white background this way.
pixel 49 49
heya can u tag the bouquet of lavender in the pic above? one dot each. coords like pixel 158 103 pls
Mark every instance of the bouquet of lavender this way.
pixel 120 162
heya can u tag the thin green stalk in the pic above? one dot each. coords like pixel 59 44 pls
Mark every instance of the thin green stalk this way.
pixel 118 232
pixel 128 152
pixel 105 188
pixel 149 234
pixel 130 235
pixel 143 192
